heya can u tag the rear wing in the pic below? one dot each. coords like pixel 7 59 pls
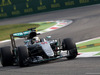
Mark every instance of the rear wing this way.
pixel 24 34
pixel 21 35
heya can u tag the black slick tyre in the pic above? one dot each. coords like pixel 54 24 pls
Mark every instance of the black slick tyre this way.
pixel 6 56
pixel 71 48
pixel 22 56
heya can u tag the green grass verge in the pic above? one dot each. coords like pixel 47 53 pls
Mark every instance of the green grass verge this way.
pixel 91 49
pixel 89 42
pixel 6 30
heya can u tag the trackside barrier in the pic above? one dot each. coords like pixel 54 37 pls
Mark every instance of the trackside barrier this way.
pixel 12 8
pixel 89 46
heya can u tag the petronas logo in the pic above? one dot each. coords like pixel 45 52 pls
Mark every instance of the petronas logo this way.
pixel 5 2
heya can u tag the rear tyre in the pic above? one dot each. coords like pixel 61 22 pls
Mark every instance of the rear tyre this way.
pixel 22 56
pixel 71 48
pixel 6 56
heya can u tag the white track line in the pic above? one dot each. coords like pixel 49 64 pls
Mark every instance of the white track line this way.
pixel 87 54
pixel 88 40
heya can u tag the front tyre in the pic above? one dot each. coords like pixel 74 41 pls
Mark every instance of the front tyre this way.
pixel 22 56
pixel 71 48
pixel 6 56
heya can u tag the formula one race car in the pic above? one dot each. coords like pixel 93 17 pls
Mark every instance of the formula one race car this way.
pixel 36 50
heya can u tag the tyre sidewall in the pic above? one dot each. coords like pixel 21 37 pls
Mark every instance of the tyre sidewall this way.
pixel 70 46
pixel 22 55
pixel 6 56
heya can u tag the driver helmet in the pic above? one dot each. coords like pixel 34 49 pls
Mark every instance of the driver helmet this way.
pixel 36 39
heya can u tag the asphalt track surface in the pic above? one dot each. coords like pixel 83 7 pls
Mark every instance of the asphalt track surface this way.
pixel 86 25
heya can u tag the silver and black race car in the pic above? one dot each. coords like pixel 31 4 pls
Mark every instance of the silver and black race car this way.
pixel 36 50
